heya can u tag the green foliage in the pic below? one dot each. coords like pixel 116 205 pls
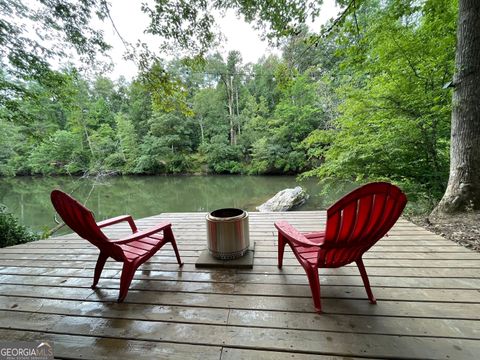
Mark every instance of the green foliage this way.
pixel 276 18
pixel 128 143
pixel 221 157
pixel 138 107
pixel 10 149
pixel 164 151
pixel 27 32
pixel 395 117
pixel 263 83
pixel 297 114
pixel 365 101
pixel 210 112
pixel 167 92
pixel 61 153
pixel 103 147
pixel 11 232
pixel 167 147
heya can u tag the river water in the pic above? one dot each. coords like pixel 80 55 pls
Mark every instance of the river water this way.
pixel 141 196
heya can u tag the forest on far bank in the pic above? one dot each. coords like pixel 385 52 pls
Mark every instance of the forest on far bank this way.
pixel 370 100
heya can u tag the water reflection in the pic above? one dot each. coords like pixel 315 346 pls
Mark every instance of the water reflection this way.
pixel 28 198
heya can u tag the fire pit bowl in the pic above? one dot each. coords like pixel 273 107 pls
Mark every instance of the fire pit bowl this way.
pixel 227 233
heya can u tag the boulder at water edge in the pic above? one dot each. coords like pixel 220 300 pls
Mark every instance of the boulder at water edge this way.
pixel 285 200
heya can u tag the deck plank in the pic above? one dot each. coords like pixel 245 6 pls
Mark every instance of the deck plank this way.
pixel 367 324
pixel 106 348
pixel 275 339
pixel 32 276
pixel 278 290
pixel 427 289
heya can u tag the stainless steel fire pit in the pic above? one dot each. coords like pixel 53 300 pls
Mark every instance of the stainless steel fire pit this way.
pixel 227 233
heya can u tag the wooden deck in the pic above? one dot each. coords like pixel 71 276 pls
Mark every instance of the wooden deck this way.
pixel 428 292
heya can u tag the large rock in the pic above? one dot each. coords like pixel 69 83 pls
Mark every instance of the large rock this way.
pixel 285 200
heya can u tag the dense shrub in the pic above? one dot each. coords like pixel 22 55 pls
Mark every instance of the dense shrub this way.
pixel 11 232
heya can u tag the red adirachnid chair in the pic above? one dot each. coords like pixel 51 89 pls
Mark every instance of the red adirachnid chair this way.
pixel 354 224
pixel 133 250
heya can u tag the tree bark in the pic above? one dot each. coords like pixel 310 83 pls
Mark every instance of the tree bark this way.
pixel 463 189
pixel 238 111
pixel 231 110
pixel 88 138
pixel 230 104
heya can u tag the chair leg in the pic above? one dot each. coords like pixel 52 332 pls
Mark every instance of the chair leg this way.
pixel 281 249
pixel 102 258
pixel 366 283
pixel 125 280
pixel 314 281
pixel 168 234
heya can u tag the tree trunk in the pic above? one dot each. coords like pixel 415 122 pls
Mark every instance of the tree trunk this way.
pixel 230 104
pixel 238 112
pixel 88 139
pixel 463 189
pixel 231 111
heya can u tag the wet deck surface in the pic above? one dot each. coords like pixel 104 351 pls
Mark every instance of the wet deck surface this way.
pixel 428 292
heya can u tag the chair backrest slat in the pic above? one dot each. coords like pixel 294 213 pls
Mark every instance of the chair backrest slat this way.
pixel 363 215
pixel 347 226
pixel 377 215
pixel 81 220
pixel 358 220
pixel 333 226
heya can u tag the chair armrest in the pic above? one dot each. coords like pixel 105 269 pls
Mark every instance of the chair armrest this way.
pixel 318 237
pixel 142 234
pixel 118 219
pixel 293 234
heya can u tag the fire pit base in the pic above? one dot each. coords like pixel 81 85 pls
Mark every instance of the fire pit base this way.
pixel 206 260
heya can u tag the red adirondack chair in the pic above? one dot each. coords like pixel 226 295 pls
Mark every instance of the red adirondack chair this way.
pixel 354 224
pixel 132 250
